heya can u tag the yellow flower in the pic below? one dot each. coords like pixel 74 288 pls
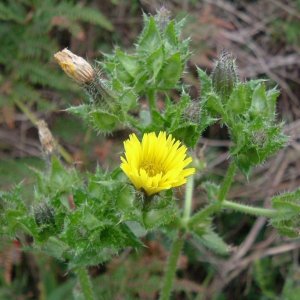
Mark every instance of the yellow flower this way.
pixel 157 163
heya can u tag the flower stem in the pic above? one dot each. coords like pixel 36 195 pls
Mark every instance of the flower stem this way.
pixel 85 283
pixel 188 199
pixel 152 101
pixel 227 181
pixel 256 211
pixel 171 267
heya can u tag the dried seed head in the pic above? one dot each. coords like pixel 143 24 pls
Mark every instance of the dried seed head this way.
pixel 75 66
pixel 46 138
pixel 224 75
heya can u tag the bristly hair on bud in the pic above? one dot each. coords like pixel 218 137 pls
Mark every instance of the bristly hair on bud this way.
pixel 163 17
pixel 75 66
pixel 192 112
pixel 47 141
pixel 44 214
pixel 224 75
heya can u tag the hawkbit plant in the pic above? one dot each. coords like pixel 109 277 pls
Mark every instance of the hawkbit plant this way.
pixel 85 219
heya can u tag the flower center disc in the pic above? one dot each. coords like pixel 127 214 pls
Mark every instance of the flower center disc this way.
pixel 151 169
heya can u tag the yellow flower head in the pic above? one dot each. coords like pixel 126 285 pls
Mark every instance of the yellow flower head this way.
pixel 157 163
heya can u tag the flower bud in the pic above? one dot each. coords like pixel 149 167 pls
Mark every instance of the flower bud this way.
pixel 75 66
pixel 44 214
pixel 224 75
pixel 192 112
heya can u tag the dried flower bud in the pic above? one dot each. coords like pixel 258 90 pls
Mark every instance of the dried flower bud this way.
pixel 44 214
pixel 163 17
pixel 224 75
pixel 75 66
pixel 46 138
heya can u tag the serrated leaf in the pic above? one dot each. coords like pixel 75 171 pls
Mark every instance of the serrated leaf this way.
pixel 128 100
pixel 150 38
pixel 154 63
pixel 240 99
pixel 103 121
pixel 259 100
pixel 129 62
pixel 159 217
pixel 171 35
pixel 205 82
pixel 189 134
pixel 80 110
pixel 212 241
pixel 55 247
pixel 171 72
pixel 214 104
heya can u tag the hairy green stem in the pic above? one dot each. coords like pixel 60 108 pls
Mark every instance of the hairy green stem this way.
pixel 171 267
pixel 188 199
pixel 256 211
pixel 227 181
pixel 152 101
pixel 85 283
pixel 203 214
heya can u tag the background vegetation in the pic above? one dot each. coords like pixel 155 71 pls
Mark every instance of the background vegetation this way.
pixel 262 35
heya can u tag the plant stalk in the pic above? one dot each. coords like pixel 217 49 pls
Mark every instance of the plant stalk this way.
pixel 171 267
pixel 256 211
pixel 85 283
pixel 227 181
pixel 188 199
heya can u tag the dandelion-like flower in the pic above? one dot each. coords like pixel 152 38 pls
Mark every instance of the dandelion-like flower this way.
pixel 156 163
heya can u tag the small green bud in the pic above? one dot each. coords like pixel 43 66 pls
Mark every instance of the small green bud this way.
pixel 224 75
pixel 44 214
pixel 192 112
pixel 162 18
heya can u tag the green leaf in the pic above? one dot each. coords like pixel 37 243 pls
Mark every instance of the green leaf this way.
pixel 212 241
pixel 103 121
pixel 80 110
pixel 128 100
pixel 290 197
pixel 155 218
pixel 214 104
pixel 56 248
pixel 129 62
pixel 171 35
pixel 240 99
pixel 272 96
pixel 205 82
pixel 171 72
pixel 150 38
pixel 259 100
pixel 189 134
pixel 90 221
pixel 287 220
pixel 154 63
